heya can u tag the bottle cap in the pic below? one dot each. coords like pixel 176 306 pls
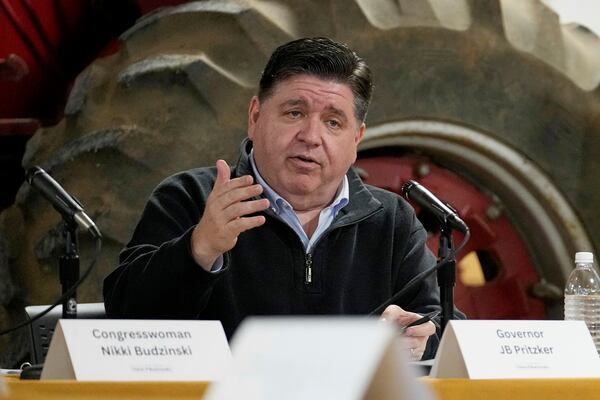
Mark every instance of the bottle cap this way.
pixel 584 257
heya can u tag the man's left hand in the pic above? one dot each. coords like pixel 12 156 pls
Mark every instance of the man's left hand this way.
pixel 415 336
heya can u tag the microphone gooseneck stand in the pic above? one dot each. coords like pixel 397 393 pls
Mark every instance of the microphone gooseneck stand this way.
pixel 73 216
pixel 68 269
pixel 449 219
pixel 446 276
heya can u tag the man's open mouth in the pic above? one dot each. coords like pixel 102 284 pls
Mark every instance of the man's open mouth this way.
pixel 302 161
pixel 306 159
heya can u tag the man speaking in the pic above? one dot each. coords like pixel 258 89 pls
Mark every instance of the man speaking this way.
pixel 290 229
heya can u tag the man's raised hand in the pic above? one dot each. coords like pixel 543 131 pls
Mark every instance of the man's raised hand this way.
pixel 224 217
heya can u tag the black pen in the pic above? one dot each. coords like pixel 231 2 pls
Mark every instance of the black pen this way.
pixel 425 318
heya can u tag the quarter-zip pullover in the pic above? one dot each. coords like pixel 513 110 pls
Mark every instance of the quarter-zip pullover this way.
pixel 373 247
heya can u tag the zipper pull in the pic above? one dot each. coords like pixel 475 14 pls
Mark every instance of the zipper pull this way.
pixel 308 269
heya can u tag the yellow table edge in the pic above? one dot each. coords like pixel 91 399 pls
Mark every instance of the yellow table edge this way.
pixel 445 389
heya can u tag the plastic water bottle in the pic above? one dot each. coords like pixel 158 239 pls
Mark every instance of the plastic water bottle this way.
pixel 582 295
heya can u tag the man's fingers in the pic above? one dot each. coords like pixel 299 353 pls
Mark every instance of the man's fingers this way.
pixel 426 329
pixel 224 184
pixel 241 181
pixel 223 173
pixel 243 208
pixel 415 346
pixel 399 316
pixel 243 224
pixel 224 215
pixel 229 197
pixel 392 312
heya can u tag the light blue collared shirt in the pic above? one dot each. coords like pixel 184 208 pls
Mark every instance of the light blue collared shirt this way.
pixel 284 210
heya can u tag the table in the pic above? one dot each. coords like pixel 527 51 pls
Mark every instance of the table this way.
pixel 516 389
pixel 446 389
pixel 73 390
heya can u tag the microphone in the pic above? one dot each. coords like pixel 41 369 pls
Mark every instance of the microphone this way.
pixel 423 197
pixel 62 201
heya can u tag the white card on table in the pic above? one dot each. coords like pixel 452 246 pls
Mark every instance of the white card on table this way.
pixel 297 358
pixel 137 350
pixel 501 349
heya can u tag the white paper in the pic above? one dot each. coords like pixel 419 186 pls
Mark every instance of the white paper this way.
pixel 137 350
pixel 317 358
pixel 516 349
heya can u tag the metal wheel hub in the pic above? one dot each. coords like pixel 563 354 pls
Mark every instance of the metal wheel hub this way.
pixel 524 232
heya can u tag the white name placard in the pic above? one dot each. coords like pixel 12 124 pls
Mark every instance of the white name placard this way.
pixel 516 349
pixel 295 358
pixel 137 350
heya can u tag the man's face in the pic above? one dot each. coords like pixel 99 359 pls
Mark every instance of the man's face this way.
pixel 305 137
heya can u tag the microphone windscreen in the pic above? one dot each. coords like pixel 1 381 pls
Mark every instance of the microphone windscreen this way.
pixel 31 172
pixel 407 187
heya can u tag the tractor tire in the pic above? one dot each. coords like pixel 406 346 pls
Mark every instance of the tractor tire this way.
pixel 175 96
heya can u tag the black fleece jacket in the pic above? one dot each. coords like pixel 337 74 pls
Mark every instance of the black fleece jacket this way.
pixel 374 246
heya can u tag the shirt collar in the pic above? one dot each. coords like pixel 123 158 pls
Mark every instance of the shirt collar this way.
pixel 341 199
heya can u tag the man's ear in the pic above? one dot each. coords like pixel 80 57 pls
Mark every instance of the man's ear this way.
pixel 361 133
pixel 253 113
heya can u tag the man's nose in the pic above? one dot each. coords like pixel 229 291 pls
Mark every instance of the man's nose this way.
pixel 311 132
